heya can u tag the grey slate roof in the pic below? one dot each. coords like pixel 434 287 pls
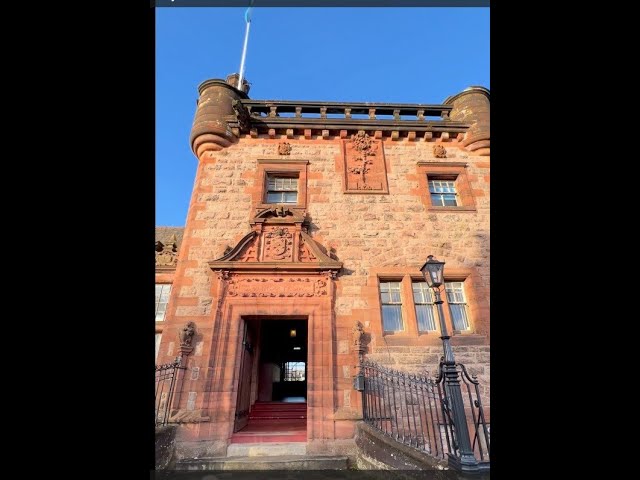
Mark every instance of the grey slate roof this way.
pixel 164 234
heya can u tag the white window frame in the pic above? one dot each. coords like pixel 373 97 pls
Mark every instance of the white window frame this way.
pixel 158 340
pixel 391 302
pixel 164 290
pixel 456 295
pixel 293 372
pixel 427 299
pixel 441 186
pixel 273 179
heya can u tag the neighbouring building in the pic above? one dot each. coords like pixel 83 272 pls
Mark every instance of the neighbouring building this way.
pixel 307 228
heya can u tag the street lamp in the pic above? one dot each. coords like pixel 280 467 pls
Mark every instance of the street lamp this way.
pixel 433 272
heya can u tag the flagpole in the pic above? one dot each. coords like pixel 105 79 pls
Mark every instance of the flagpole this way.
pixel 244 48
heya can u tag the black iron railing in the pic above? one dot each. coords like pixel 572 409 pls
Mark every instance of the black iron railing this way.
pixel 166 376
pixel 479 431
pixel 414 410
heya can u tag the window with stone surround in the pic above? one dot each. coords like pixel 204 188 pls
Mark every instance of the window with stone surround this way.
pixel 445 186
pixel 282 188
pixel 443 191
pixel 281 181
pixel 158 338
pixel 391 306
pixel 458 305
pixel 162 298
pixel 423 300
pixel 407 304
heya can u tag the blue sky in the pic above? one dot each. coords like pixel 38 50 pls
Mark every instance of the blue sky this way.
pixel 409 55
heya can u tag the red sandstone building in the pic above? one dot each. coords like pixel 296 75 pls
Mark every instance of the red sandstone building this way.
pixel 307 228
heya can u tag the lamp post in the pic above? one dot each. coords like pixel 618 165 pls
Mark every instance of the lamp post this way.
pixel 433 272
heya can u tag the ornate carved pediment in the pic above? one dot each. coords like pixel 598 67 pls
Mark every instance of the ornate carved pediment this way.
pixel 279 214
pixel 279 241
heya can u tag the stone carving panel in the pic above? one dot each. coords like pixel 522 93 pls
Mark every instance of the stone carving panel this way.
pixel 277 287
pixel 439 151
pixel 278 245
pixel 365 170
pixel 250 253
pixel 305 254
pixel 242 115
pixel 167 255
pixel 284 148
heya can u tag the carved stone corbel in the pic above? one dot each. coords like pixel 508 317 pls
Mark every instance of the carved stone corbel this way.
pixel 242 115
pixel 223 274
pixel 185 335
pixel 357 333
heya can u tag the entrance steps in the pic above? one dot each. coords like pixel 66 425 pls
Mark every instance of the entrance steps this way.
pixel 275 438
pixel 279 462
pixel 270 449
pixel 272 431
pixel 278 411
pixel 274 422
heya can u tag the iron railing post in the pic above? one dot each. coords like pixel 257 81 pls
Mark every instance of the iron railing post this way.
pixel 465 461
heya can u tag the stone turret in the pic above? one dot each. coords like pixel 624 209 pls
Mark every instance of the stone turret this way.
pixel 473 105
pixel 210 131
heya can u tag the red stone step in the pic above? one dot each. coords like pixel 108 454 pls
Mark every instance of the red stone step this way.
pixel 266 437
pixel 260 430
pixel 280 406
pixel 287 425
pixel 287 414
pixel 278 411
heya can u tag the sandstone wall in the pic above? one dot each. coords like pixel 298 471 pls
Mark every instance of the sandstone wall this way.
pixel 375 236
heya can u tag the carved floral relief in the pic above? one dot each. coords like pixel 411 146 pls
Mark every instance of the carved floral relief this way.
pixel 277 287
pixel 284 148
pixel 439 151
pixel 365 170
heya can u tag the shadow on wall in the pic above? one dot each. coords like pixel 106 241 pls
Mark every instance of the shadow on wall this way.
pixel 165 447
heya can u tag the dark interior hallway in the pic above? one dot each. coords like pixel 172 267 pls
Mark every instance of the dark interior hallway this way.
pixel 279 413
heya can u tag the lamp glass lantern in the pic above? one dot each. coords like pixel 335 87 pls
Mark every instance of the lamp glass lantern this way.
pixel 433 271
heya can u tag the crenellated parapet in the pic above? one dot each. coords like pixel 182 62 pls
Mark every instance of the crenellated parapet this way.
pixel 328 120
pixel 224 114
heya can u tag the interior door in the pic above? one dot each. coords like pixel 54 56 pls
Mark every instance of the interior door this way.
pixel 243 402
